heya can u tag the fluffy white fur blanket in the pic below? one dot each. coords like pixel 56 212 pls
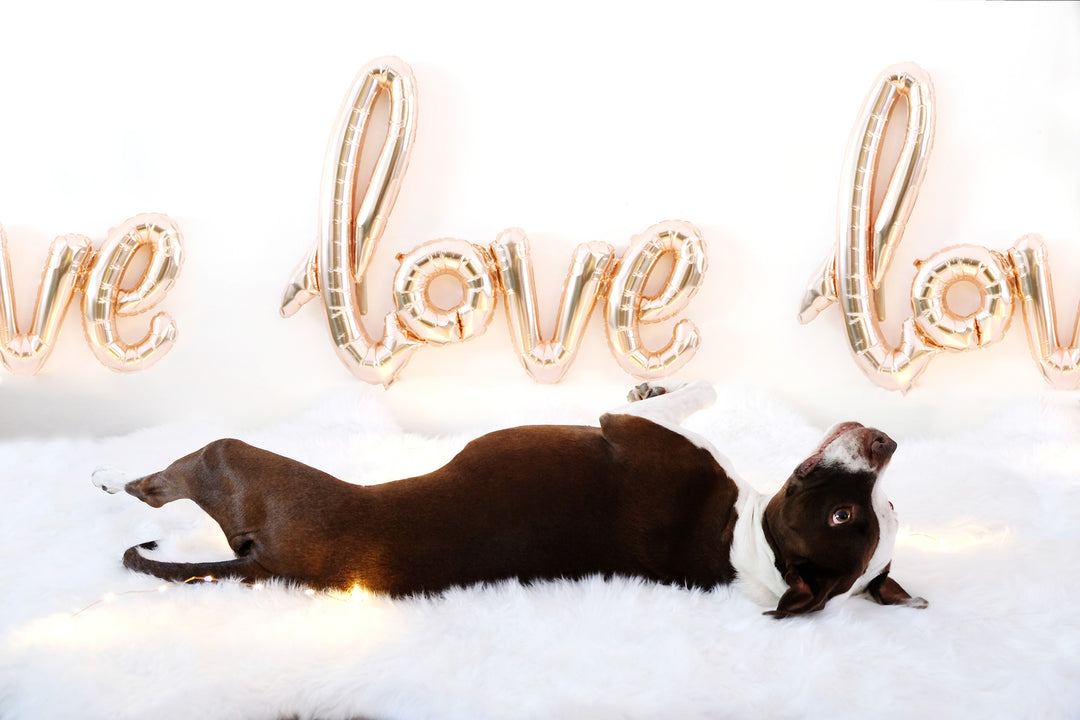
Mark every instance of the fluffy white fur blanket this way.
pixel 990 536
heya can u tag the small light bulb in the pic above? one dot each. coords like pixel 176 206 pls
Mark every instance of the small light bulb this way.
pixel 309 592
pixel 208 578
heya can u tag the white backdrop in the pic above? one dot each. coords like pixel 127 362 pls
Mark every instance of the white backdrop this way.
pixel 574 121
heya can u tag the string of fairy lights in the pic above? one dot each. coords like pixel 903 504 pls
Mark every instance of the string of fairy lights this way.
pixel 955 542
pixel 354 595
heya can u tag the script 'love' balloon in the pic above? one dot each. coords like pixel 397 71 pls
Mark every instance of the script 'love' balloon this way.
pixel 981 268
pixel 72 265
pixel 25 353
pixel 589 267
pixel 628 306
pixel 1060 365
pixel 104 299
pixel 348 233
pixel 853 273
pixel 412 285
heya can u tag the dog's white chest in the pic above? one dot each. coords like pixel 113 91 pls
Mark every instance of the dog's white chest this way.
pixel 751 556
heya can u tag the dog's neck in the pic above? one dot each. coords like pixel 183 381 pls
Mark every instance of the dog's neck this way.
pixel 751 555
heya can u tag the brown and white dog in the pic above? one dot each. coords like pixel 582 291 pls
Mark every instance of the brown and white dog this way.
pixel 637 496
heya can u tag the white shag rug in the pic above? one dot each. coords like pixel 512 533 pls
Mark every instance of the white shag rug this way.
pixel 990 535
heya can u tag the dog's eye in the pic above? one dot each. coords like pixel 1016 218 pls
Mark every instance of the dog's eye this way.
pixel 841 516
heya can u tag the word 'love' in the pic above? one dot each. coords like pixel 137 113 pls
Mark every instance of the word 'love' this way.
pixel 350 229
pixel 73 266
pixel 853 274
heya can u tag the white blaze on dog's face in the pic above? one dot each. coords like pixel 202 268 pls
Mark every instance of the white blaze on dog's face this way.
pixel 830 526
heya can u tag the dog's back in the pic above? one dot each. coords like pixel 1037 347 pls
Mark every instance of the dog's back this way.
pixel 532 503
pixel 544 502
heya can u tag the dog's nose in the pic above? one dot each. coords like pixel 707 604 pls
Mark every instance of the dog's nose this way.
pixel 882 447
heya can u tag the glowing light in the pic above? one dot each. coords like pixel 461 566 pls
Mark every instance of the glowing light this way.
pixel 959 539
pixel 1057 457
pixel 355 594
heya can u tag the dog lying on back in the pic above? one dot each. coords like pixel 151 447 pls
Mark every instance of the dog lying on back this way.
pixel 637 496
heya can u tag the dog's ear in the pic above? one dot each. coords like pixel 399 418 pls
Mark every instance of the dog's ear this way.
pixel 807 466
pixel 886 591
pixel 804 595
pixel 801 473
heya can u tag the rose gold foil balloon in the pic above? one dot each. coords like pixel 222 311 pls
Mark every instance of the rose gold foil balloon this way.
pixel 25 353
pixel 855 272
pixel 984 269
pixel 303 284
pixel 104 299
pixel 548 361
pixel 412 292
pixel 628 306
pixel 349 231
pixel 1060 365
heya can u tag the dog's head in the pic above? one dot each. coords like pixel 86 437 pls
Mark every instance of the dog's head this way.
pixel 831 527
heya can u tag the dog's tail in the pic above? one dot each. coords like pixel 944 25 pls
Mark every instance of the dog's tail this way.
pixel 244 569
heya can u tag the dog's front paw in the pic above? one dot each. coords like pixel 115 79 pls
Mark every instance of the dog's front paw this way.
pixel 643 391
pixel 649 390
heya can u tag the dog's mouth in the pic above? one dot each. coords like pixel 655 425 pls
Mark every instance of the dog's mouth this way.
pixel 836 433
pixel 857 447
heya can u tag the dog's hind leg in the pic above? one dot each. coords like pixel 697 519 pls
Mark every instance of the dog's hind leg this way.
pixel 155 489
pixel 110 480
pixel 198 477
pixel 159 488
pixel 241 568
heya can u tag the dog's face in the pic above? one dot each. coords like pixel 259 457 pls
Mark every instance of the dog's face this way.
pixel 830 526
